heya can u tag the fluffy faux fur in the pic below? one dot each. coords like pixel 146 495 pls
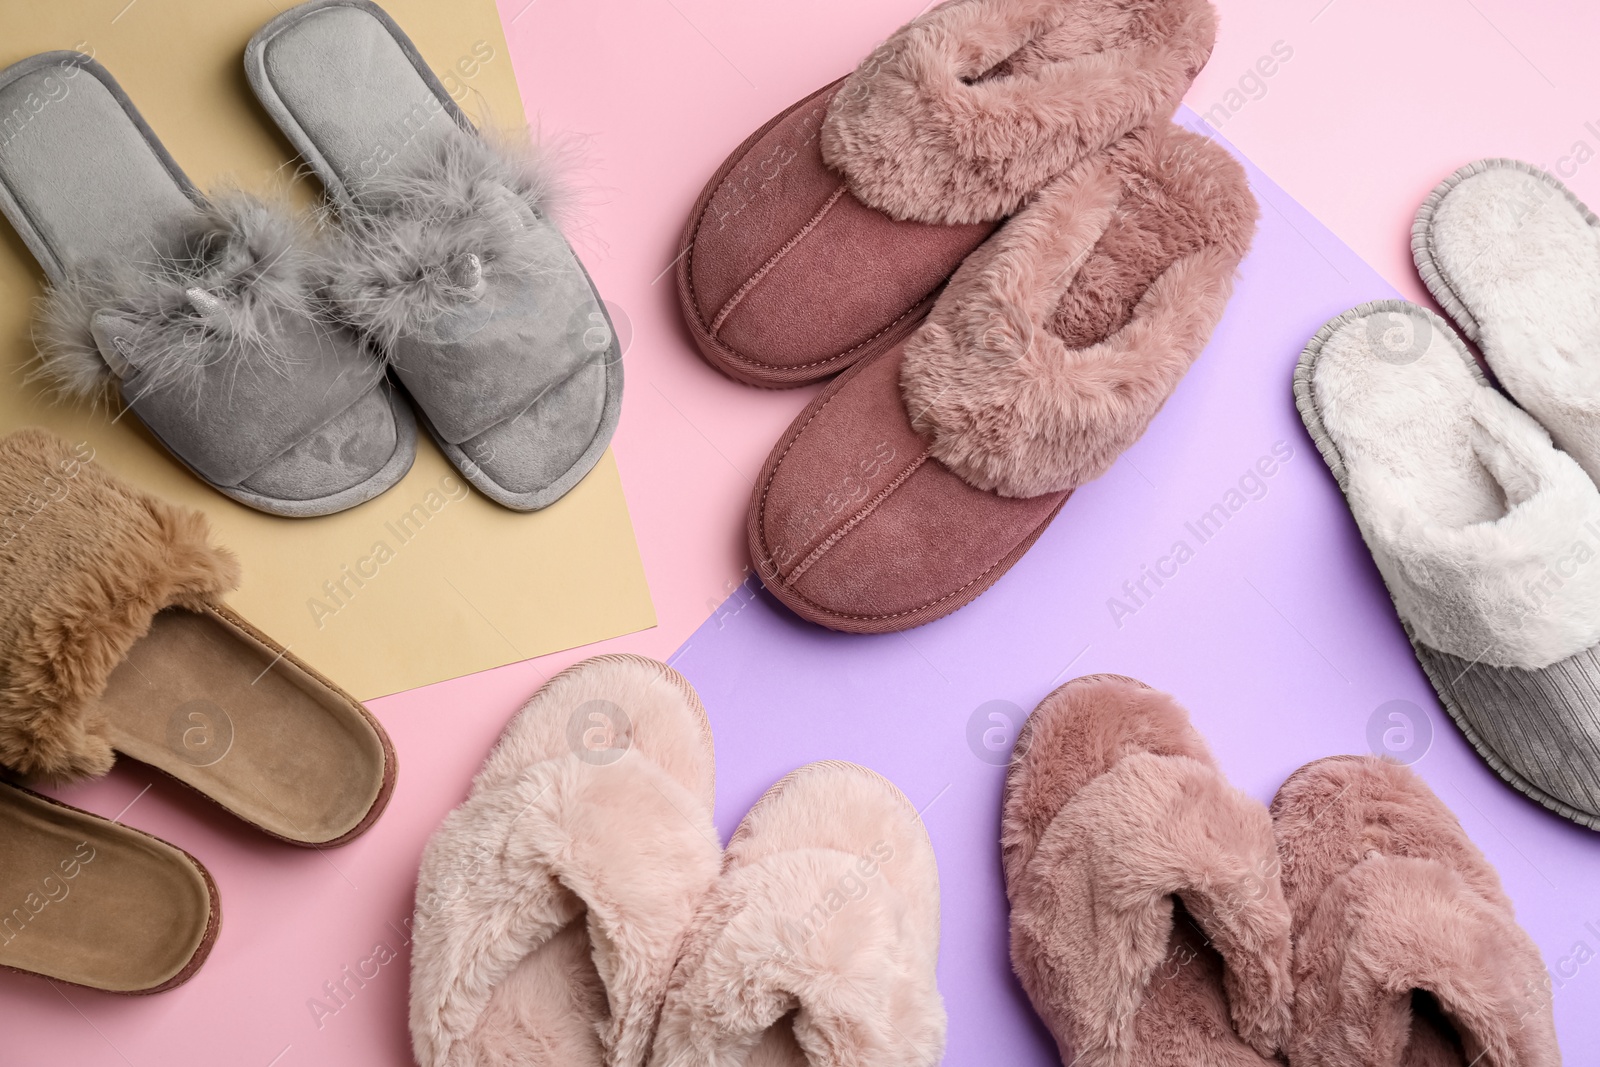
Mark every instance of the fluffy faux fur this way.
pixel 214 292
pixel 969 109
pixel 1406 948
pixel 817 947
pixel 1487 536
pixel 1147 922
pixel 551 905
pixel 1059 339
pixel 86 561
pixel 1512 256
pixel 405 258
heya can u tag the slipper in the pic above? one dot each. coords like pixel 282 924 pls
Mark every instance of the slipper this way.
pixel 1514 258
pixel 203 315
pixel 450 261
pixel 1485 534
pixel 552 903
pixel 1407 953
pixel 96 904
pixel 817 946
pixel 823 240
pixel 1147 923
pixel 114 638
pixel 914 481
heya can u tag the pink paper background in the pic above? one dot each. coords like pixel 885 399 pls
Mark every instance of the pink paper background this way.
pixel 1377 103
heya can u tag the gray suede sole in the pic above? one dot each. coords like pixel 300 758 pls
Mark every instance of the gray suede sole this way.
pixel 256 69
pixel 160 168
pixel 1434 277
pixel 1508 716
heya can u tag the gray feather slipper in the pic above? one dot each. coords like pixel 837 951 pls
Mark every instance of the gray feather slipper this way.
pixel 1487 536
pixel 204 315
pixel 450 262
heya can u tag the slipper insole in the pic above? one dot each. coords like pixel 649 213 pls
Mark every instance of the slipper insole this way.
pixel 89 901
pixel 1149 232
pixel 89 181
pixel 547 1009
pixel 1404 422
pixel 220 711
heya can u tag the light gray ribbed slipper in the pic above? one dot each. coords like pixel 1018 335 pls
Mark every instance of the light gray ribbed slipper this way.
pixel 451 262
pixel 203 314
pixel 1487 536
pixel 1514 258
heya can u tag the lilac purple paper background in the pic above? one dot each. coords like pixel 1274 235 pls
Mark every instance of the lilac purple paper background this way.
pixel 1276 633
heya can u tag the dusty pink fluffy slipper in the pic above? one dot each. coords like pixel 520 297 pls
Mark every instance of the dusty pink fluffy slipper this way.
pixel 818 945
pixel 1147 923
pixel 552 904
pixel 914 481
pixel 1406 953
pixel 823 239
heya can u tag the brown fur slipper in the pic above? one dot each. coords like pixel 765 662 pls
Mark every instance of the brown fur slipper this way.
pixel 94 903
pixel 552 904
pixel 114 638
pixel 1147 923
pixel 823 239
pixel 911 484
pixel 1407 953
pixel 817 946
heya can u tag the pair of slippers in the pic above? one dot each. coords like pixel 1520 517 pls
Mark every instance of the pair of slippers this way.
pixel 259 353
pixel 995 236
pixel 577 909
pixel 114 640
pixel 1161 917
pixel 1483 516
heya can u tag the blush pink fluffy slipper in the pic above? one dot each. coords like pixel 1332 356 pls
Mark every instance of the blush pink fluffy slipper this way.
pixel 552 904
pixel 817 946
pixel 824 238
pixel 1407 953
pixel 915 480
pixel 1147 923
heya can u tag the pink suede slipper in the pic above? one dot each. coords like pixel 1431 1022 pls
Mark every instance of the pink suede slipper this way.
pixel 552 904
pixel 823 239
pixel 913 482
pixel 1406 953
pixel 1147 923
pixel 817 946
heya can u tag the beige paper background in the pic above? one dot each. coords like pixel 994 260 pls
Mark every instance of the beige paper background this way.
pixel 463 585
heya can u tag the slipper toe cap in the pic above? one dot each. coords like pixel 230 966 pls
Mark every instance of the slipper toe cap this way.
pixel 853 526
pixel 787 278
pixel 359 453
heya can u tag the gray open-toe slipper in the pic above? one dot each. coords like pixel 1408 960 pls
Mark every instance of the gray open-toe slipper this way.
pixel 1487 536
pixel 1514 258
pixel 451 262
pixel 203 314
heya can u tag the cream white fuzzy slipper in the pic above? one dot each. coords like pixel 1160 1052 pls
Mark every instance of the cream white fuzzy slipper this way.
pixel 1487 536
pixel 552 904
pixel 817 946
pixel 1514 258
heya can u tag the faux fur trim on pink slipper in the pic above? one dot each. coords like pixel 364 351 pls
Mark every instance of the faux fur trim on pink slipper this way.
pixel 1406 947
pixel 551 905
pixel 818 945
pixel 1147 922
pixel 967 110
pixel 86 562
pixel 1059 339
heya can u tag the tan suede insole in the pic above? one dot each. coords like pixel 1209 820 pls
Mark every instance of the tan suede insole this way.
pixel 214 707
pixel 89 901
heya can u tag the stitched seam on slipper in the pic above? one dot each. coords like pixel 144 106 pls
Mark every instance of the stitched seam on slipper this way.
pixel 767 267
pixel 739 357
pixel 761 516
pixel 857 519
